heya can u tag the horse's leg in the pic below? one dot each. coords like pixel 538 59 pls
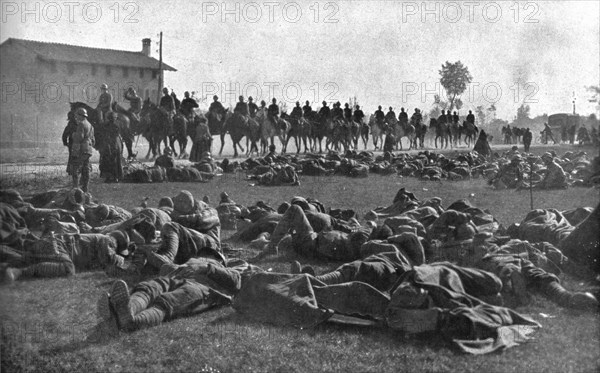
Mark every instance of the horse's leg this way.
pixel 222 142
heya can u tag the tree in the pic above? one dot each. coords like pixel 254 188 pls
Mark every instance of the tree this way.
pixel 523 113
pixel 454 79
pixel 438 106
pixel 492 111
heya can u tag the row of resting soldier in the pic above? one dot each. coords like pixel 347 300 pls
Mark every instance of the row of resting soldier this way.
pixel 390 258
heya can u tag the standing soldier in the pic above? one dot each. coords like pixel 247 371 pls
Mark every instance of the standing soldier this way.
pixel 252 107
pixel 81 150
pixel 527 137
pixel 104 103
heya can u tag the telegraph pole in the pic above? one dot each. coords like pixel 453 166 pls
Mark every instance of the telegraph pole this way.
pixel 160 70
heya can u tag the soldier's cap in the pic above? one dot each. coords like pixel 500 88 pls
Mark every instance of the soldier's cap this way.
pixel 272 147
pixel 547 155
pixel 76 196
pixel 104 86
pixel 283 208
pixel 82 112
pixel 165 202
pixel 250 98
pixel 102 211
pixel 165 90
pixel 241 98
pixel 183 202
pixel 324 102
pixel 167 150
pixel 215 97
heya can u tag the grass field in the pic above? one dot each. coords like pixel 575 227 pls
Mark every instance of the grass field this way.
pixel 52 325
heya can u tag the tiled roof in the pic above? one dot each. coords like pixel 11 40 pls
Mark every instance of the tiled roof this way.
pixel 79 54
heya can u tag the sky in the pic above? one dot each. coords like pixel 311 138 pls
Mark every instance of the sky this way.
pixel 381 52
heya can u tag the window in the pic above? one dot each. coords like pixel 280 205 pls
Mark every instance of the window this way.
pixel 125 72
pixel 70 68
pixel 94 69
pixel 108 71
pixel 154 74
pixel 141 73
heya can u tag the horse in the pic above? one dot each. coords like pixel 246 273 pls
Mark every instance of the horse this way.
pixel 402 130
pixel 129 130
pixel 179 134
pixel 318 130
pixel 377 131
pixel 158 126
pixel 269 130
pixel 216 122
pixel 300 131
pixel 420 132
pixel 121 121
pixel 364 133
pixel 470 130
pixel 441 131
pixel 507 133
pixel 455 130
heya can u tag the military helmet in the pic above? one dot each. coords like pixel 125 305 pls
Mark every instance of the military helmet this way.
pixel 215 97
pixel 250 98
pixel 81 111
pixel 104 86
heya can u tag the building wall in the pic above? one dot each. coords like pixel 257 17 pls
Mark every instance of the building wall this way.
pixel 35 94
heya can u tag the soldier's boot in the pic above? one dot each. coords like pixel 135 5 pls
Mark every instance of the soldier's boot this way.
pixel 563 297
pixel 120 303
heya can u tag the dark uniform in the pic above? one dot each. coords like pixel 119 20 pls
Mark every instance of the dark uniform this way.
pixel 216 107
pixel 403 117
pixel 242 108
pixel 252 107
pixel 325 111
pixel 296 111
pixel 379 115
pixel 442 118
pixel 104 103
pixel 166 102
pixel 188 105
pixel 471 117
pixel 391 115
pixel 358 115
pixel 455 118
pixel 307 109
pixel 348 113
pixel 337 112
pixel 273 111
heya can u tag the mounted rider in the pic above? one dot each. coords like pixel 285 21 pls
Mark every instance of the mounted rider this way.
pixel 442 119
pixel 135 104
pixel 187 106
pixel 358 115
pixel 390 116
pixel 325 111
pixel 216 107
pixel 417 117
pixel 296 111
pixel 167 103
pixel 471 117
pixel 104 103
pixel 241 108
pixel 337 112
pixel 347 113
pixel 307 109
pixel 455 117
pixel 403 117
pixel 273 112
pixel 379 115
pixel 252 107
